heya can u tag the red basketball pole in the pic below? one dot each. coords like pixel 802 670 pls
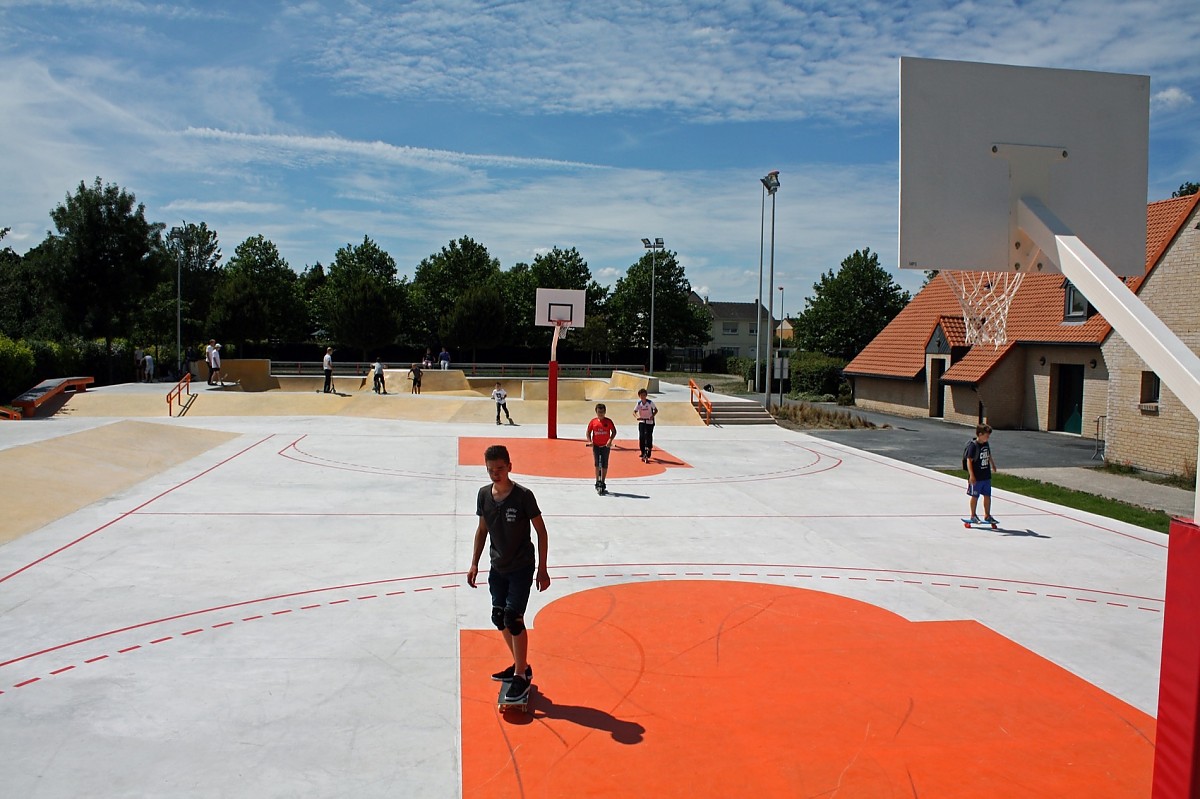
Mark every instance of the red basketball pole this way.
pixel 1177 740
pixel 552 386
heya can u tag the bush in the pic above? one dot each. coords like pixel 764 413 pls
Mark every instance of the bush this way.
pixel 17 368
pixel 845 395
pixel 816 373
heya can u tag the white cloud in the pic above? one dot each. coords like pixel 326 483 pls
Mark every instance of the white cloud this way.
pixel 1171 99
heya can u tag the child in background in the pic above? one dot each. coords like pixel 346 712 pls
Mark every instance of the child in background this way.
pixel 601 432
pixel 500 397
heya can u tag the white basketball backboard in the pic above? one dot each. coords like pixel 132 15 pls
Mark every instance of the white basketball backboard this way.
pixel 975 138
pixel 554 305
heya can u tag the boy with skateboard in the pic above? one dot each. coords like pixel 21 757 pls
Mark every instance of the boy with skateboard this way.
pixel 980 465
pixel 506 510
pixel 600 434
pixel 500 397
pixel 644 411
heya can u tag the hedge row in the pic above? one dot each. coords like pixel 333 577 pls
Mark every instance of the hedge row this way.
pixel 25 363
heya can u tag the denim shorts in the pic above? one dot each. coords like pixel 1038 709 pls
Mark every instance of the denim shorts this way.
pixel 510 590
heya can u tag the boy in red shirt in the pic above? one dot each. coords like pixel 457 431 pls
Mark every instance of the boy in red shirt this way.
pixel 600 434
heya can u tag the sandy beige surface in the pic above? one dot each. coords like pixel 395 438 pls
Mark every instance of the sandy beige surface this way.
pixel 61 475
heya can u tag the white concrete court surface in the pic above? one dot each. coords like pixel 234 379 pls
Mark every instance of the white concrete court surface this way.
pixel 280 615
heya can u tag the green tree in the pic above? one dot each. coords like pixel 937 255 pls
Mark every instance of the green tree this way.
pixel 677 321
pixel 257 299
pixel 309 285
pixel 360 300
pixel 518 289
pixel 1187 189
pixel 107 255
pixel 566 269
pixel 195 252
pixel 441 278
pixel 849 308
pixel 476 317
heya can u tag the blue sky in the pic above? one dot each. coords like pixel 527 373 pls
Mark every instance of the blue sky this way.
pixel 529 125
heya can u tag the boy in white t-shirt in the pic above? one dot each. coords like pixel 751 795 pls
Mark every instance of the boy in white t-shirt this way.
pixel 500 397
pixel 644 411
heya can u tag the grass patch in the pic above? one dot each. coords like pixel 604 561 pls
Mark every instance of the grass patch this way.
pixel 802 416
pixel 1184 481
pixel 1080 500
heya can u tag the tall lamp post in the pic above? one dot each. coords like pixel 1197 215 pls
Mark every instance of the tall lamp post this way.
pixel 179 310
pixel 782 319
pixel 771 184
pixel 653 247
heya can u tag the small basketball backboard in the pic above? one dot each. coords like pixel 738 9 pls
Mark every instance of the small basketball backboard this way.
pixel 552 306
pixel 976 138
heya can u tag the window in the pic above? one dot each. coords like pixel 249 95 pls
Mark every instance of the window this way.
pixel 730 351
pixel 1150 389
pixel 753 329
pixel 729 328
pixel 1076 305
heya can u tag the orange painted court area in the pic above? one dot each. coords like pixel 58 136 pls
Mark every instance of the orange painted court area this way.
pixel 566 457
pixel 711 688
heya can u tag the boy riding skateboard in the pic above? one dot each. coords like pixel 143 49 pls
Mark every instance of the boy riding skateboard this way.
pixel 506 511
pixel 980 466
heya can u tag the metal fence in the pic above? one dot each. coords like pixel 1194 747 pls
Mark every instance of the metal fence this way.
pixel 358 368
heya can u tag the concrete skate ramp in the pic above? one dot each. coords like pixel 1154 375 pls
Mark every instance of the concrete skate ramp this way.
pixel 59 476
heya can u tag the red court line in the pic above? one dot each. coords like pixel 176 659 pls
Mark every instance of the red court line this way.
pixel 128 513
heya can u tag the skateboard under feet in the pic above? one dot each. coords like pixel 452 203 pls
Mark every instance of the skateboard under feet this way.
pixel 503 703
pixel 981 523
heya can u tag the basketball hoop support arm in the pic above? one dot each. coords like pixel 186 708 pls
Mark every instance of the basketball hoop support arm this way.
pixel 1154 342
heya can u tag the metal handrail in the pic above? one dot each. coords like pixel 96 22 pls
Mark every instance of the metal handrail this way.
pixel 183 386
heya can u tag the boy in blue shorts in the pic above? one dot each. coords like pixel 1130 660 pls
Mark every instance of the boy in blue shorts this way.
pixel 506 511
pixel 980 466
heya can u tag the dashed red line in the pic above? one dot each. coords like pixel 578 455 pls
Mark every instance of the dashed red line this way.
pixel 284 611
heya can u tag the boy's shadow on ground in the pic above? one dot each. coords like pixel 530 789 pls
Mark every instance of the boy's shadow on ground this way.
pixel 622 495
pixel 1026 533
pixel 541 707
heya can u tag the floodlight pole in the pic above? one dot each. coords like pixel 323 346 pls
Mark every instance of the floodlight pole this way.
pixel 762 232
pixel 179 311
pixel 771 184
pixel 782 317
pixel 653 247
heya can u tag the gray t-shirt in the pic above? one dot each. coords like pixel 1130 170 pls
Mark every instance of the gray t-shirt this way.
pixel 508 523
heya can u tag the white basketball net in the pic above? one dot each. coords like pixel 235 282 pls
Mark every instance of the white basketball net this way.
pixel 984 297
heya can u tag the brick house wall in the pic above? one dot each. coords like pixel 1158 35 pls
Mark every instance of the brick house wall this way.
pixel 899 397
pixel 1160 438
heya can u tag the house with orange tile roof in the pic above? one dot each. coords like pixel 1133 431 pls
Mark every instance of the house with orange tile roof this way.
pixel 1053 373
pixel 1146 426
